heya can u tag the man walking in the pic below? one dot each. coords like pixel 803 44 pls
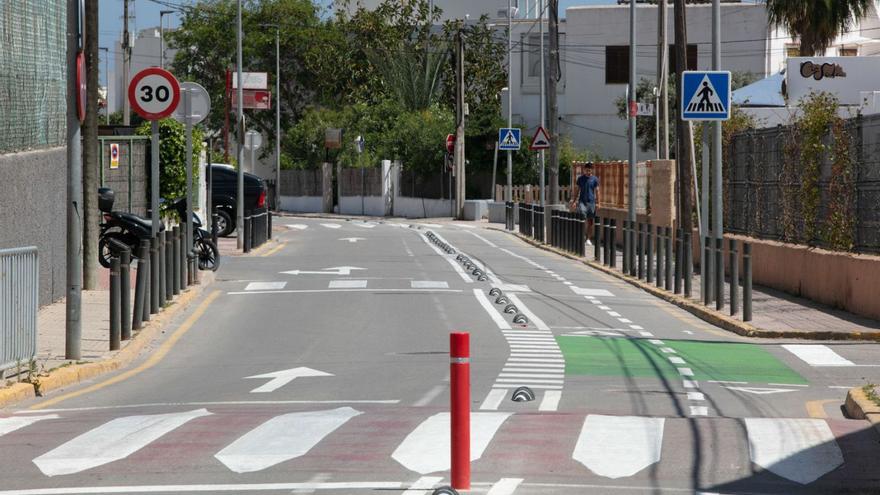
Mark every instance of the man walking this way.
pixel 586 196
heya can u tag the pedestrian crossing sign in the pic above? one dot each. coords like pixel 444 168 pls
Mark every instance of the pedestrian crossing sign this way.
pixel 509 139
pixel 705 95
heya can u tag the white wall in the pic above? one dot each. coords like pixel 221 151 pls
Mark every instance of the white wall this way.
pixel 422 208
pixel 373 206
pixel 144 53
pixel 302 204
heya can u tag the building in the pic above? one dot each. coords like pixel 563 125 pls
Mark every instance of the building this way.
pixel 461 9
pixel 144 53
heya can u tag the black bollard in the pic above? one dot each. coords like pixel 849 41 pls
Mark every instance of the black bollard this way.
pixel 626 247
pixel 155 277
pixel 184 260
pixel 719 274
pixel 269 225
pixel 176 265
pixel 688 266
pixel 661 278
pixel 678 261
pixel 612 246
pixel 163 274
pixel 734 278
pixel 247 234
pixel 667 270
pixel 649 254
pixel 125 293
pixel 747 281
pixel 140 288
pixel 597 231
pixel 148 274
pixel 582 227
pixel 706 267
pixel 115 302
pixel 214 218
pixel 640 248
pixel 169 266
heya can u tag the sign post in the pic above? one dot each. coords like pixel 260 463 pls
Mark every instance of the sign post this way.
pixel 154 94
pixel 252 142
pixel 360 145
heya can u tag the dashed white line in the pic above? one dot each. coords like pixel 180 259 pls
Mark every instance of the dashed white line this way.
pixel 550 402
pixel 493 399
pixel 699 411
pixel 685 371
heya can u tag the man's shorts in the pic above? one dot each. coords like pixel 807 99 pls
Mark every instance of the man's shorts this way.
pixel 587 209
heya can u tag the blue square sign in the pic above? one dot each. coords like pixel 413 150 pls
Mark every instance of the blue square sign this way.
pixel 705 95
pixel 509 139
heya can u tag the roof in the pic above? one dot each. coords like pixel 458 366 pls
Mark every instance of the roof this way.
pixel 764 93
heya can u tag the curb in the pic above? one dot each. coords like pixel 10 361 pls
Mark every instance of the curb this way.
pixel 73 374
pixel 858 406
pixel 720 320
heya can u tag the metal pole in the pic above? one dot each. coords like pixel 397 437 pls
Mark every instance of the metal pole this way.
pixel 509 195
pixel 239 222
pixel 176 265
pixel 703 194
pixel 632 118
pixel 661 274
pixel 126 61
pixel 543 101
pixel 734 278
pixel 663 47
pixel 719 274
pixel 73 308
pixel 115 301
pixel 161 39
pixel 125 292
pixel 717 212
pixel 494 172
pixel 688 269
pixel 706 272
pixel 747 281
pixel 140 285
pixel 649 253
pixel 667 267
pixel 187 240
pixel 148 263
pixel 155 275
pixel 277 118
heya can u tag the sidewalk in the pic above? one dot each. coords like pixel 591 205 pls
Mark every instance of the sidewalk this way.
pixel 775 314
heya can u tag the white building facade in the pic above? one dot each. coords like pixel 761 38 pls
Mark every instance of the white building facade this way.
pixel 144 53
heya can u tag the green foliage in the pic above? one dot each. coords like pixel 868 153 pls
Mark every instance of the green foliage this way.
pixel 172 156
pixel 816 23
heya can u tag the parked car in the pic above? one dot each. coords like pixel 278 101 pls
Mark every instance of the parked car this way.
pixel 223 195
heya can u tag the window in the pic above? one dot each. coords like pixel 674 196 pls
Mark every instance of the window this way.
pixel 617 62
pixel 534 50
pixel 530 58
pixel 848 51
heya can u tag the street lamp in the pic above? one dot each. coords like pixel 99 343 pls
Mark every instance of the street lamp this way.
pixel 107 77
pixel 239 207
pixel 277 114
pixel 162 14
pixel 511 11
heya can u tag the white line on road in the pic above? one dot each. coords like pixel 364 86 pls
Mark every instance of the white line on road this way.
pixel 321 291
pixel 685 371
pixel 347 284
pixel 493 399
pixel 591 292
pixel 8 425
pixel 646 334
pixel 505 486
pixel 619 446
pixel 493 313
pixel 536 360
pixel 429 396
pixel 801 450
pixel 428 284
pixel 331 225
pixel 527 379
pixel 550 402
pixel 218 403
pixel 614 314
pixel 656 342
pixel 317 478
pixel 699 411
pixel 265 286
pixel 676 360
pixel 487 241
pixel 817 355
pixel 426 449
pixel 297 226
pixel 696 396
pixel 114 440
pixel 667 350
pixel 237 488
pixel 455 266
pixel 282 438
pixel 690 384
pixel 539 323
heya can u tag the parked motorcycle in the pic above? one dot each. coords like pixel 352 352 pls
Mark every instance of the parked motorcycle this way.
pixel 205 250
pixel 119 228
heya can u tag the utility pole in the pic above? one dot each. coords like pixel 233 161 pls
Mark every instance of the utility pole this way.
pixel 126 64
pixel 552 106
pixel 239 221
pixel 277 118
pixel 459 129
pixel 73 305
pixel 683 134
pixel 543 100
pixel 663 79
pixel 90 149
pixel 633 98
pixel 717 207
pixel 508 194
pixel 162 14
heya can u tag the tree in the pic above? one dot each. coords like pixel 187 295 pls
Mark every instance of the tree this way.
pixel 172 156
pixel 817 23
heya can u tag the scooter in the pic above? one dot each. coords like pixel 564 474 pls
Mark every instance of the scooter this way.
pixel 205 250
pixel 120 228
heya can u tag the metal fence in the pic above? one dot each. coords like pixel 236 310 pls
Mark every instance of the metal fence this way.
pixel 763 187
pixel 19 300
pixel 32 74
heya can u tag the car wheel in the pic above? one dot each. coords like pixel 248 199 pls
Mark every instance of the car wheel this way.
pixel 225 225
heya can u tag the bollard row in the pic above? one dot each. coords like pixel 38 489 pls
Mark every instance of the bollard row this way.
pixel 511 309
pixel 567 231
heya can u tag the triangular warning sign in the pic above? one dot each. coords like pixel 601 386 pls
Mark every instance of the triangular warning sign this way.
pixel 509 140
pixel 705 99
pixel 541 141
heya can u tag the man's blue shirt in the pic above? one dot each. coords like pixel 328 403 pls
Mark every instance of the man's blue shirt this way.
pixel 587 187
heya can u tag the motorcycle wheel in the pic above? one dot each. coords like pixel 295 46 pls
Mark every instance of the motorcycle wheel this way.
pixel 208 255
pixel 105 252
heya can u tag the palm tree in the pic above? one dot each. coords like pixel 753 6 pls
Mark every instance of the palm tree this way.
pixel 816 22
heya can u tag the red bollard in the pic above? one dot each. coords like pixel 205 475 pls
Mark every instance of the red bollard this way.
pixel 460 395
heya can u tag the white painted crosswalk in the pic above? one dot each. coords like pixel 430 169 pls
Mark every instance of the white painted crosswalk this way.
pixel 817 355
pixel 613 447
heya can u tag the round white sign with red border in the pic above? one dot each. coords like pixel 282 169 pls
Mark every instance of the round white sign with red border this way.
pixel 154 93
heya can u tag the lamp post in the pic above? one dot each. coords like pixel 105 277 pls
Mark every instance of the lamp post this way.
pixel 239 221
pixel 511 11
pixel 107 77
pixel 277 114
pixel 162 14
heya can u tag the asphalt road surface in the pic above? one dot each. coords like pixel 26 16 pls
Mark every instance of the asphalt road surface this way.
pixel 323 367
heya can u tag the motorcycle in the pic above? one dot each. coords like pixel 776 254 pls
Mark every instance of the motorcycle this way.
pixel 120 228
pixel 204 248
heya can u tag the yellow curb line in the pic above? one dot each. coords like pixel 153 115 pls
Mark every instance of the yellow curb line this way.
pixel 713 317
pixel 274 250
pixel 69 375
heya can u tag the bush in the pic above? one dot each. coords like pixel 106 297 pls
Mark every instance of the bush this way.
pixel 172 156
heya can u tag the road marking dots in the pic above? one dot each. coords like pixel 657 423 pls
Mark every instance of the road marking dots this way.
pixel 449 259
pixel 490 309
pixel 111 441
pixel 539 323
pixel 619 446
pixel 676 360
pixel 282 438
pixel 800 450
pixel 8 425
pixel 265 286
pixel 426 449
pixel 690 384
pixel 685 371
pixel 428 284
pixel 817 355
pixel 696 396
pixel 347 284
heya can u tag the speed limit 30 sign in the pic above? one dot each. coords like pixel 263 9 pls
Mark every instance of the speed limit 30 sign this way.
pixel 154 93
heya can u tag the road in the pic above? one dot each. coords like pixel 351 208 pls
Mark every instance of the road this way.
pixel 322 366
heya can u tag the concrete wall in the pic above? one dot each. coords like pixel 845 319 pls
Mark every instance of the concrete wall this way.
pixel 422 208
pixel 33 212
pixel 302 204
pixel 372 205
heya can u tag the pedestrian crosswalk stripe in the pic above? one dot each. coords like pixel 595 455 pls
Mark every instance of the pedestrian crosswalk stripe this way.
pixel 426 449
pixel 493 399
pixel 111 441
pixel 619 446
pixel 817 355
pixel 699 411
pixel 428 284
pixel 551 399
pixel 265 286
pixel 800 450
pixel 8 425
pixel 347 284
pixel 282 438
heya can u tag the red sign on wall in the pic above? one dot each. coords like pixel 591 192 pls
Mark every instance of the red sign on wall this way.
pixel 256 99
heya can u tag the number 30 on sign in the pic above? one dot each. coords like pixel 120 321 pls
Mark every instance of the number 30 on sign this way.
pixel 154 93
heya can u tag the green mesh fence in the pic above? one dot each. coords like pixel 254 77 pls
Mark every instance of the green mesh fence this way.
pixel 33 49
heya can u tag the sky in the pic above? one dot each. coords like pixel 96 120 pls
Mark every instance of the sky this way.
pixel 146 14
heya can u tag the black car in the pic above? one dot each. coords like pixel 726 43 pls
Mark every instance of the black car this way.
pixel 223 195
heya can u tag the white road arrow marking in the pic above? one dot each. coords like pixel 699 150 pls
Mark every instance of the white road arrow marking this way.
pixel 619 446
pixel 331 225
pixel 801 450
pixel 8 425
pixel 282 438
pixel 761 391
pixel 426 449
pixel 352 239
pixel 366 225
pixel 282 378
pixel 297 226
pixel 112 441
pixel 336 270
